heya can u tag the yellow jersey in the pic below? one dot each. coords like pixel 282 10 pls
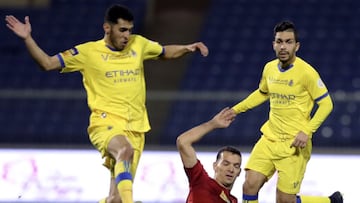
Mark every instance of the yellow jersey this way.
pixel 114 80
pixel 292 93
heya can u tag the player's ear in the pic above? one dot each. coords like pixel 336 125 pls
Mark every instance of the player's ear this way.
pixel 297 46
pixel 106 27
pixel 273 44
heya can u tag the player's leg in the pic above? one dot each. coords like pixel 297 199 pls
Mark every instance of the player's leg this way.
pixel 259 169
pixel 282 197
pixel 336 197
pixel 114 196
pixel 113 145
pixel 252 184
pixel 291 171
pixel 291 166
pixel 118 147
pixel 137 140
pixel 121 150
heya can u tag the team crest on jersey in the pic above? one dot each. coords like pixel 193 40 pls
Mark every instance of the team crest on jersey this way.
pixel 291 83
pixel 70 52
pixel 320 83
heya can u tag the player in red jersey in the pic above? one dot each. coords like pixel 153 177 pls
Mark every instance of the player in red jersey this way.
pixel 203 188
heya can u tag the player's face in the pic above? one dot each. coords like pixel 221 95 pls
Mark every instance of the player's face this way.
pixel 285 47
pixel 227 169
pixel 118 35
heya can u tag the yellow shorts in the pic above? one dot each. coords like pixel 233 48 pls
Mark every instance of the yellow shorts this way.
pixel 290 163
pixel 103 127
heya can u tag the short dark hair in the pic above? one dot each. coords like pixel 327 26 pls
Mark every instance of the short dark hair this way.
pixel 286 26
pixel 116 11
pixel 231 149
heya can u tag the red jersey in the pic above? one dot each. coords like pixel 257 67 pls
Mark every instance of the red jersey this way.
pixel 204 189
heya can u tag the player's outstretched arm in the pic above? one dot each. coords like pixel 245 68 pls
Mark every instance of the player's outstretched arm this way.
pixel 184 142
pixel 176 51
pixel 256 98
pixel 23 30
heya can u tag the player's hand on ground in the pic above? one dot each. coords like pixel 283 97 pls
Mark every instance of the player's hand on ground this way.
pixel 199 46
pixel 22 30
pixel 223 119
pixel 301 140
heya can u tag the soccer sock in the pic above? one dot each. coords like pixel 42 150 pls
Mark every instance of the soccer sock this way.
pixel 103 200
pixel 123 179
pixel 314 199
pixel 250 198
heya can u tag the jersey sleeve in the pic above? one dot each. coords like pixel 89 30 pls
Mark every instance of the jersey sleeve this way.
pixel 254 99
pixel 152 49
pixel 323 111
pixel 320 95
pixel 196 174
pixel 73 59
pixel 315 86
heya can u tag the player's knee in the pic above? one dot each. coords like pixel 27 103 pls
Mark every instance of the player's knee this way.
pixel 113 199
pixel 282 197
pixel 251 187
pixel 125 153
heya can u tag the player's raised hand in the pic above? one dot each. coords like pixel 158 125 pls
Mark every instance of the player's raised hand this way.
pixel 199 46
pixel 223 119
pixel 22 30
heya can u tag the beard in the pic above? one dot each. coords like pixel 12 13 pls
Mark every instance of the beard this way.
pixel 118 46
pixel 287 58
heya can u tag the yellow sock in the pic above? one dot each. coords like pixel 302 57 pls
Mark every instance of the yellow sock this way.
pixel 250 201
pixel 314 199
pixel 103 200
pixel 123 179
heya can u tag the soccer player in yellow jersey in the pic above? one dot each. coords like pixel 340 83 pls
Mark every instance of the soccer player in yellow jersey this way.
pixel 113 77
pixel 292 87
